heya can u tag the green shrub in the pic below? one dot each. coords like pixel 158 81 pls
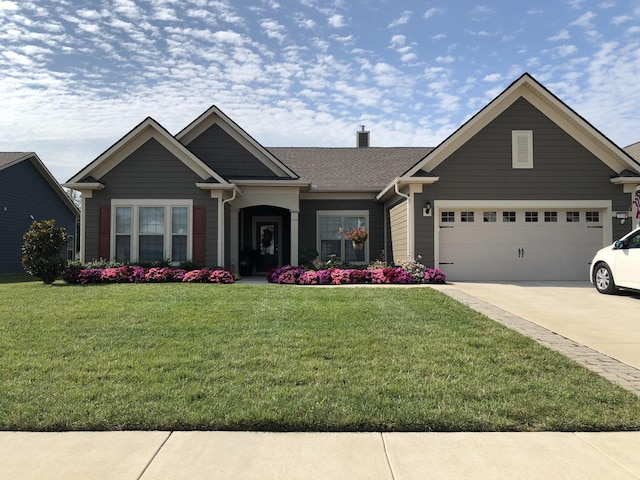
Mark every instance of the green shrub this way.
pixel 42 250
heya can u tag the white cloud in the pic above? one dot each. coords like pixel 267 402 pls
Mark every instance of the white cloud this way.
pixel 273 29
pixel 620 19
pixel 561 35
pixel 575 4
pixel 565 50
pixel 445 59
pixel 8 6
pixel 402 20
pixel 493 77
pixel 432 12
pixel 336 21
pixel 584 20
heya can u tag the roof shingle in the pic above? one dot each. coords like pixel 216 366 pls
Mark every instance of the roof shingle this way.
pixel 365 168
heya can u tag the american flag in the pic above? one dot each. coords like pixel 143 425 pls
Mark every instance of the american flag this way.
pixel 636 202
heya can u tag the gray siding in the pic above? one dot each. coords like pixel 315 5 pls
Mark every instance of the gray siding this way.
pixel 25 192
pixel 307 221
pixel 155 173
pixel 482 170
pixel 226 156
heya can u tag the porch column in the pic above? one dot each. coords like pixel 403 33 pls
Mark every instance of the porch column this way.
pixel 294 236
pixel 235 235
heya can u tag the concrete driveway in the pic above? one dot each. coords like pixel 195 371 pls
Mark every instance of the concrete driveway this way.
pixel 609 324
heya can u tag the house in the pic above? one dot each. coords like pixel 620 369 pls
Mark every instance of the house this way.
pixel 29 192
pixel 525 190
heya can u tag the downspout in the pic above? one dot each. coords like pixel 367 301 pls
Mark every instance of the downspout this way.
pixel 221 225
pixel 408 199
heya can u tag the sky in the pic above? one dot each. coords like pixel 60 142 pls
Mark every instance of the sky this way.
pixel 75 76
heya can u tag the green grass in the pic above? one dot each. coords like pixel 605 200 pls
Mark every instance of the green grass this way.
pixel 282 358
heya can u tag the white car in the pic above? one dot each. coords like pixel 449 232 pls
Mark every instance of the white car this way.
pixel 618 265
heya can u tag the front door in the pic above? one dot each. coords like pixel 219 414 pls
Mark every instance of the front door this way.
pixel 268 245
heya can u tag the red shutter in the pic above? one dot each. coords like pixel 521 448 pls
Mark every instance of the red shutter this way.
pixel 199 237
pixel 104 232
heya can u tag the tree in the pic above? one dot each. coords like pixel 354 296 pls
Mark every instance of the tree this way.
pixel 42 250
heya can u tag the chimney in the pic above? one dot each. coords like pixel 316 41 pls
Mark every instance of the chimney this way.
pixel 362 138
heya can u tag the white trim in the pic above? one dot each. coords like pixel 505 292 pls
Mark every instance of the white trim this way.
pixel 350 195
pixel 401 181
pixel 343 213
pixel 135 204
pixel 603 205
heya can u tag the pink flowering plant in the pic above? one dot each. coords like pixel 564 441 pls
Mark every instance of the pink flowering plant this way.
pixel 78 275
pixel 291 275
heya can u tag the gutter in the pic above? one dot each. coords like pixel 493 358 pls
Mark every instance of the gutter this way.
pixel 396 185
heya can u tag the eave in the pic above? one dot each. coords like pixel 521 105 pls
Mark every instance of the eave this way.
pixel 399 182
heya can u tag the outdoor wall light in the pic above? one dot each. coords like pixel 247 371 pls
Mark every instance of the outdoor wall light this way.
pixel 426 210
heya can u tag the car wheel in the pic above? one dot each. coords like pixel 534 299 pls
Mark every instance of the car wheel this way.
pixel 603 279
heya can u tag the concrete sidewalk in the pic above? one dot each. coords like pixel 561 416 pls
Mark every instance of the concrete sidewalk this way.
pixel 372 456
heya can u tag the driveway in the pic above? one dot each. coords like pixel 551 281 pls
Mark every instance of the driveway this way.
pixel 609 324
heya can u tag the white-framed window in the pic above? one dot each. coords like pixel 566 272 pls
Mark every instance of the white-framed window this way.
pixel 447 217
pixel 531 217
pixel 151 230
pixel 573 217
pixel 551 217
pixel 522 148
pixel 508 217
pixel 466 217
pixel 331 232
pixel 592 217
pixel 489 217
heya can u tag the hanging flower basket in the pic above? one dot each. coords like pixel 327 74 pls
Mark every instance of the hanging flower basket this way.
pixel 357 236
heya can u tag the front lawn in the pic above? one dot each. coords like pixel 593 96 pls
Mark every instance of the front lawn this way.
pixel 282 358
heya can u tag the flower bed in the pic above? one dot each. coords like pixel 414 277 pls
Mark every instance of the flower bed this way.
pixel 289 274
pixel 136 274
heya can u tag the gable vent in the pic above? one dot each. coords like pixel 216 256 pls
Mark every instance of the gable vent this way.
pixel 362 138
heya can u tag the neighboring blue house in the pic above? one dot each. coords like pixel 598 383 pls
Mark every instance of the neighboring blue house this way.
pixel 29 192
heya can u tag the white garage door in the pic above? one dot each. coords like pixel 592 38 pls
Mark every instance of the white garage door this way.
pixel 503 244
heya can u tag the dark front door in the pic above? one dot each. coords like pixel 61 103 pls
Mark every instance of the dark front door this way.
pixel 268 245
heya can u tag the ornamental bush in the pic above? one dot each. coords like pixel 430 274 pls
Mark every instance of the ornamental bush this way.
pixel 347 276
pixel 42 250
pixel 76 274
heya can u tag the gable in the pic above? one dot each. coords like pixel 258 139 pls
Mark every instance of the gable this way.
pixel 484 164
pixel 526 87
pixel 150 170
pixel 224 154
pixel 214 116
pixel 131 142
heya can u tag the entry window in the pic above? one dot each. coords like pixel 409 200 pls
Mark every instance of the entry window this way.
pixel 531 217
pixel 333 231
pixel 151 230
pixel 508 217
pixel 448 217
pixel 551 217
pixel 592 217
pixel 489 217
pixel 466 217
pixel 573 217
